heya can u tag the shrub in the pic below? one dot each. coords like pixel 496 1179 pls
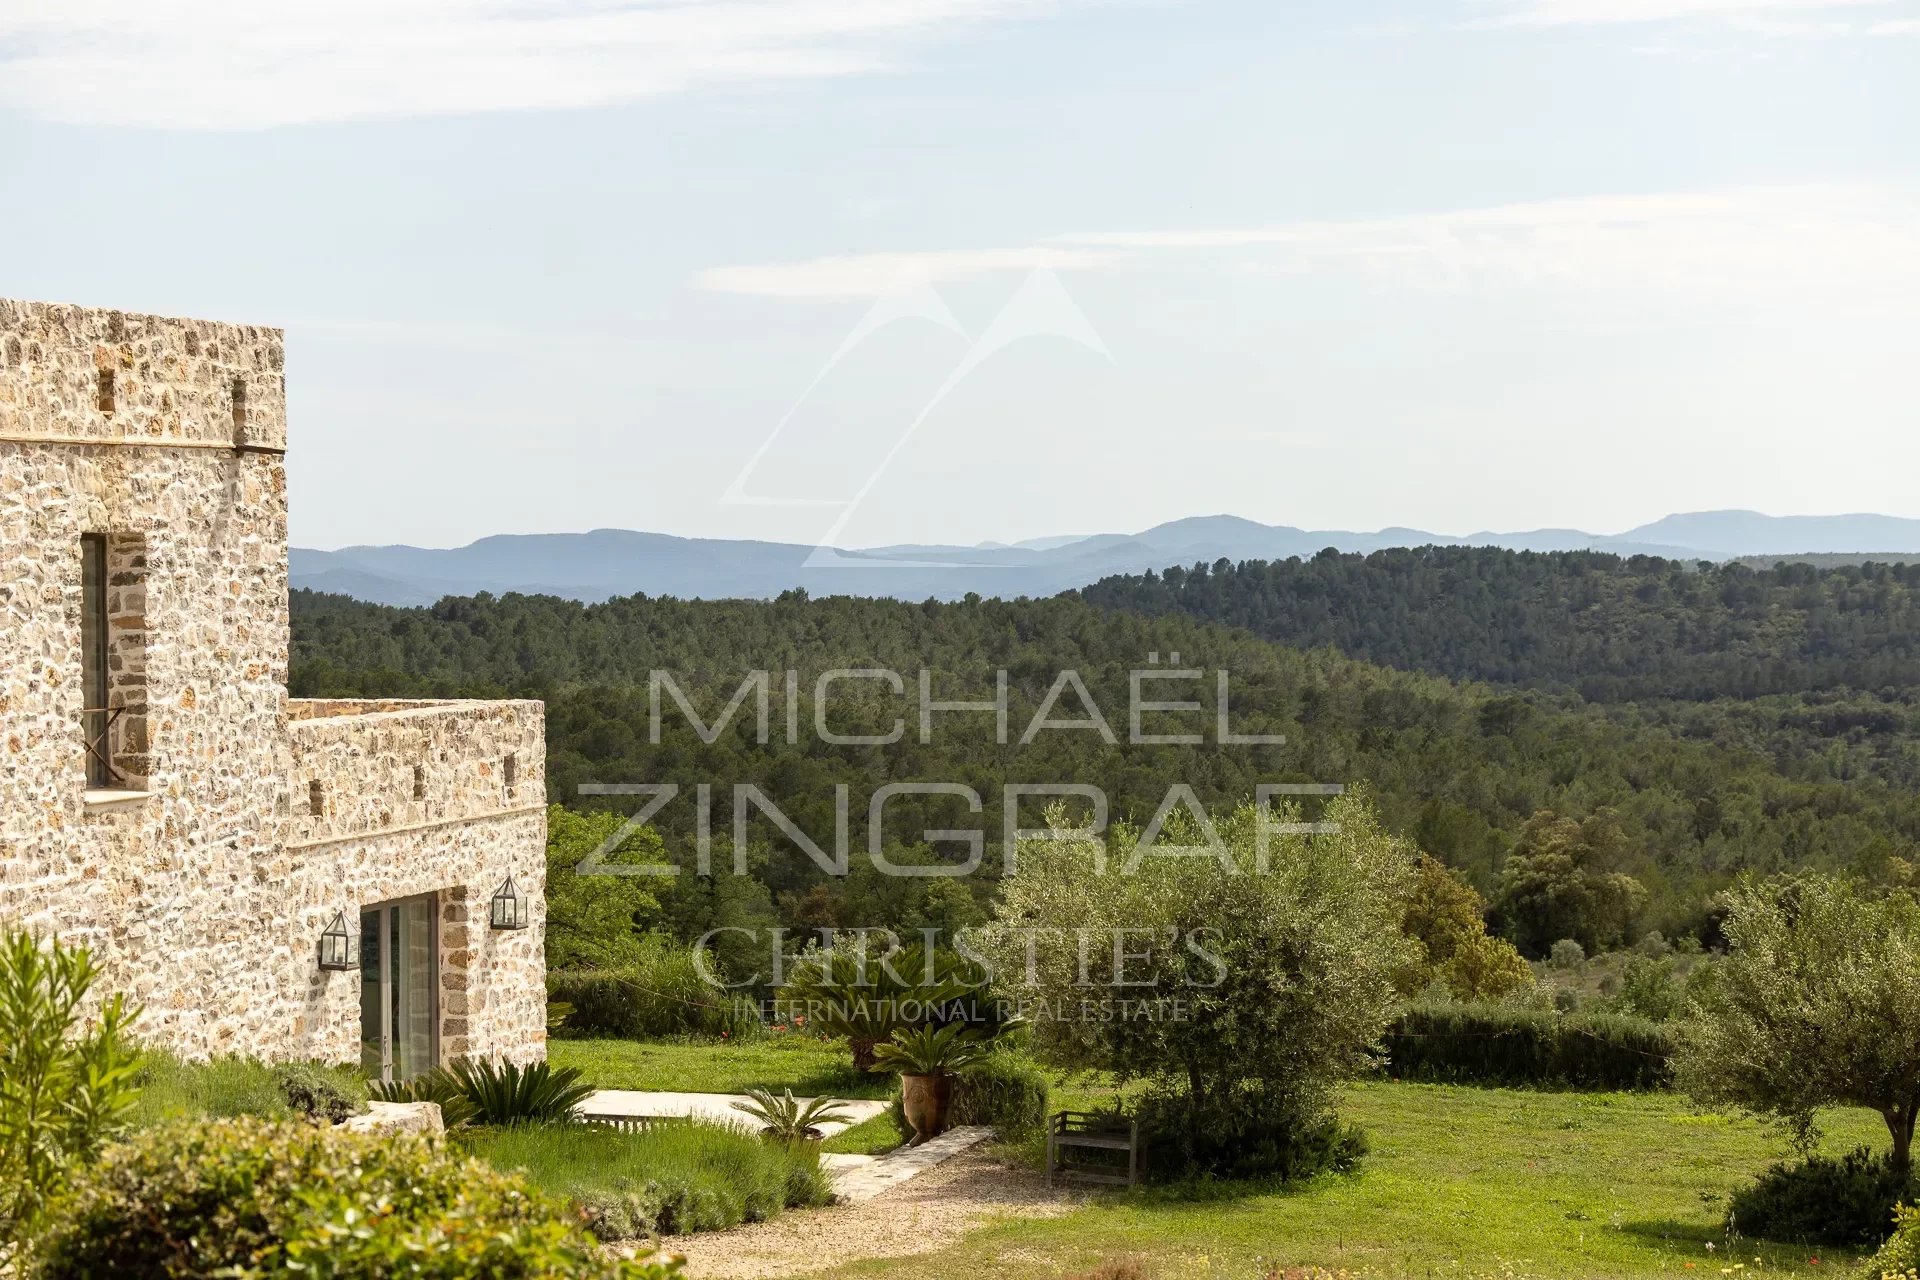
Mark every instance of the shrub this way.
pixel 1847 1203
pixel 1899 1257
pixel 321 1093
pixel 658 994
pixel 65 1085
pixel 489 1093
pixel 1004 1090
pixel 1242 1135
pixel 674 1177
pixel 1567 954
pixel 1501 1044
pixel 251 1197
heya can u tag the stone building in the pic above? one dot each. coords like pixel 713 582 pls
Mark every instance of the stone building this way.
pixel 287 878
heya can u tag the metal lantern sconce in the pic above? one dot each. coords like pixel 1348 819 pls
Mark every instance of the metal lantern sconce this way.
pixel 509 906
pixel 338 946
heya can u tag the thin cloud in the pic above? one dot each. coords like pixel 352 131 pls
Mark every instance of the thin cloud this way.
pixel 1559 13
pixel 1862 239
pixel 216 64
pixel 869 275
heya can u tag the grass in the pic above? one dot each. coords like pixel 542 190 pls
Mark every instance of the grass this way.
pixel 809 1066
pixel 673 1178
pixel 868 1138
pixel 174 1089
pixel 1461 1182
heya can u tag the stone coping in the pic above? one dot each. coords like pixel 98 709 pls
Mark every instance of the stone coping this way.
pixel 306 710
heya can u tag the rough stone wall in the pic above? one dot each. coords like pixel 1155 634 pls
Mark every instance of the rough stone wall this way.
pixel 204 899
pixel 386 832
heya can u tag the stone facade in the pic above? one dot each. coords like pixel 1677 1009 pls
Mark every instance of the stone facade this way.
pixel 239 822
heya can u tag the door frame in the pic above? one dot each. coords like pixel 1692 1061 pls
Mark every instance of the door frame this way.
pixel 383 965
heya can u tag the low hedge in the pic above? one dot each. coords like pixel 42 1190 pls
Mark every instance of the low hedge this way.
pixel 248 1197
pixel 1503 1045
pixel 659 1002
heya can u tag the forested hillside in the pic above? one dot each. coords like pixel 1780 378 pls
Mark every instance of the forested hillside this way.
pixel 1463 768
pixel 1817 667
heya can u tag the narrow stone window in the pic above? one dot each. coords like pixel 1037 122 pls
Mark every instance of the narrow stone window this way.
pixel 316 799
pixel 239 410
pixel 103 391
pixel 511 768
pixel 419 782
pixel 113 659
pixel 94 721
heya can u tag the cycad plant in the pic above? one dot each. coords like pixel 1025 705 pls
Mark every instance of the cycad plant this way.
pixel 865 997
pixel 790 1119
pixel 930 1051
pixel 491 1093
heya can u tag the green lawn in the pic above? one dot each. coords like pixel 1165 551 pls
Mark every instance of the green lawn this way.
pixel 1461 1182
pixel 805 1064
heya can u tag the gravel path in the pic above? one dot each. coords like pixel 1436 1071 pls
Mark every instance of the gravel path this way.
pixel 921 1216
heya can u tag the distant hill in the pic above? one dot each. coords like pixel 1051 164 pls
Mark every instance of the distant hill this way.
pixel 613 562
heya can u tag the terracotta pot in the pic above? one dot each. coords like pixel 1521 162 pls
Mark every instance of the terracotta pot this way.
pixel 925 1100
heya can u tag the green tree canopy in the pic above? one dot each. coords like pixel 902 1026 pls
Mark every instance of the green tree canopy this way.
pixel 1817 1003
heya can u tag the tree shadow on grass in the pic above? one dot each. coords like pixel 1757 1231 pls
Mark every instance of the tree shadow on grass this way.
pixel 1690 1240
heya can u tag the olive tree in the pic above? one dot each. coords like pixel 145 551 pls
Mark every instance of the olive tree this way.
pixel 1230 963
pixel 1817 1003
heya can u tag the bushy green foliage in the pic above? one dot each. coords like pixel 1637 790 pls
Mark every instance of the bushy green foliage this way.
pixel 320 1092
pixel 676 1176
pixel 1445 916
pixel 1004 1090
pixel 1899 1257
pixel 657 994
pixel 494 1093
pixel 1241 1134
pixel 251 1198
pixel 1564 879
pixel 1816 1003
pixel 1847 1202
pixel 1269 967
pixel 1566 954
pixel 1649 989
pixel 66 1084
pixel 593 920
pixel 1507 1044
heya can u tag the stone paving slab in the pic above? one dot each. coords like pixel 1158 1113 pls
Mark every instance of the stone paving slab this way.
pixel 883 1173
pixel 651 1104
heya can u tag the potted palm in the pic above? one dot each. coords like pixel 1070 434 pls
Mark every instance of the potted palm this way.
pixel 789 1119
pixel 927 1058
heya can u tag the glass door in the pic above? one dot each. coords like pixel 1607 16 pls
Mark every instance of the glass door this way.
pixel 399 958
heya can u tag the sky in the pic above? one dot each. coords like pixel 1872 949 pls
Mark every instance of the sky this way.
pixel 881 271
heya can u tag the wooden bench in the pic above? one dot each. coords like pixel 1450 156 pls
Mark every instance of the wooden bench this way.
pixel 626 1124
pixel 1073 1136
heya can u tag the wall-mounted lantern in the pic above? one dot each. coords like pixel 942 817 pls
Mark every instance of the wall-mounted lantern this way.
pixel 338 947
pixel 509 906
